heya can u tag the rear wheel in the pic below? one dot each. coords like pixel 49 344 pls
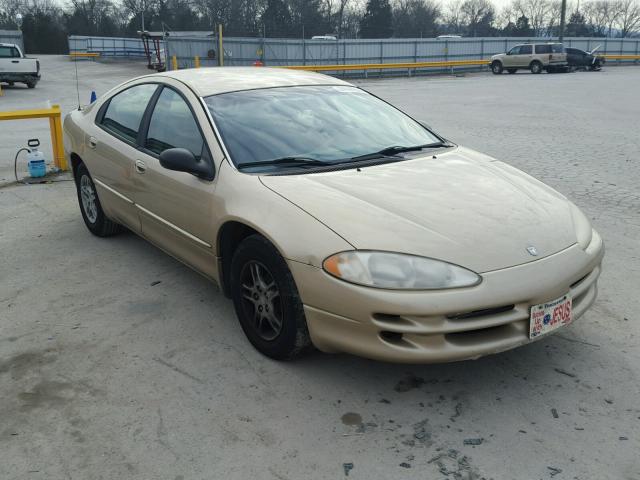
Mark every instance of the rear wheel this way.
pixel 92 214
pixel 536 67
pixel 31 84
pixel 496 67
pixel 266 300
pixel 512 70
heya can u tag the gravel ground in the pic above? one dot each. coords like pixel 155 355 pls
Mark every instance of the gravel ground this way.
pixel 106 373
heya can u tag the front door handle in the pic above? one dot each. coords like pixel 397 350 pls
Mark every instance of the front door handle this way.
pixel 15 61
pixel 141 167
pixel 93 142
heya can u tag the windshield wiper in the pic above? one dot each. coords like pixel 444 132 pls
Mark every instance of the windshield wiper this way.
pixel 394 150
pixel 286 161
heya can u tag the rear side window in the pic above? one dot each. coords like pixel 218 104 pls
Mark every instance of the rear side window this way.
pixel 126 109
pixel 172 125
pixel 9 52
pixel 557 48
pixel 525 50
pixel 543 48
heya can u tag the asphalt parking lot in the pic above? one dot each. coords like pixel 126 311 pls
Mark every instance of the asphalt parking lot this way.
pixel 116 361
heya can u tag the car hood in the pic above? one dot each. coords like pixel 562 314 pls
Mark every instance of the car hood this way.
pixel 459 206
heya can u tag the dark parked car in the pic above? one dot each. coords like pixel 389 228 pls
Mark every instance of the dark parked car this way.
pixel 579 59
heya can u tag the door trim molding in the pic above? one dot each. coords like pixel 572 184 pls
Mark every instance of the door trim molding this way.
pixel 115 192
pixel 174 227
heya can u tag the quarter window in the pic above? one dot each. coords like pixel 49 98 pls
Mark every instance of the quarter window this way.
pixel 172 125
pixel 126 109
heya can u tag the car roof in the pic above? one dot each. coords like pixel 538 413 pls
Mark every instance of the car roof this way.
pixel 216 80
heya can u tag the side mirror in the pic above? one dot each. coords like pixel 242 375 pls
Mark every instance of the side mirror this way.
pixel 182 160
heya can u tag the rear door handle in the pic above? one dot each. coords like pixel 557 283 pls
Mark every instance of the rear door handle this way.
pixel 93 143
pixel 141 167
pixel 15 61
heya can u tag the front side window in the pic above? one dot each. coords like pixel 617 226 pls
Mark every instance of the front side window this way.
pixel 525 50
pixel 172 125
pixel 125 110
pixel 326 123
pixel 515 50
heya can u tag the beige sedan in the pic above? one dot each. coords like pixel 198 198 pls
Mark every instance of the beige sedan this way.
pixel 331 218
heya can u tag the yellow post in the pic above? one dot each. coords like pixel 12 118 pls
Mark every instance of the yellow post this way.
pixel 196 61
pixel 55 125
pixel 220 46
pixel 57 141
pixel 174 62
pixel 1 92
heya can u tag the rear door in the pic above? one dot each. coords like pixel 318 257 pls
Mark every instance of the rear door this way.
pixel 112 150
pixel 176 208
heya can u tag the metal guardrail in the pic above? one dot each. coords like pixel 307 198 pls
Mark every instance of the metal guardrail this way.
pixel 381 66
pixel 416 65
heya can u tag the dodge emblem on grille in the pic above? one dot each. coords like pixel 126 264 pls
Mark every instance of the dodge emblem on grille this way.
pixel 532 250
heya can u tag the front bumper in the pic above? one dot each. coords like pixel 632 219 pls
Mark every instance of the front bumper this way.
pixel 443 325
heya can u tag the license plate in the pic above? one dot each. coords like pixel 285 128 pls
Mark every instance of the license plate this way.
pixel 547 317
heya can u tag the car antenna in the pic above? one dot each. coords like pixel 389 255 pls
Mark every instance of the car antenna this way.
pixel 75 61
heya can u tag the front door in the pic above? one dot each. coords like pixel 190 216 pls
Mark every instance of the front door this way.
pixel 112 148
pixel 176 208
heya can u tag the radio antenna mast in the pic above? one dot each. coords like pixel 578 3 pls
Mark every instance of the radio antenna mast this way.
pixel 75 61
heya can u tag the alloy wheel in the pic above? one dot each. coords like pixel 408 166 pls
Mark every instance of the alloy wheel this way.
pixel 261 300
pixel 88 196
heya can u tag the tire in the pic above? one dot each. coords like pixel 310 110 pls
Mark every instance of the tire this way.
pixel 92 213
pixel 496 67
pixel 31 84
pixel 536 67
pixel 512 70
pixel 267 302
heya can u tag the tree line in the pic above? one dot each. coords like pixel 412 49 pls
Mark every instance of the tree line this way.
pixel 46 24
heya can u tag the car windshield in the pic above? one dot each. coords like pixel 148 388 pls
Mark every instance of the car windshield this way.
pixel 313 123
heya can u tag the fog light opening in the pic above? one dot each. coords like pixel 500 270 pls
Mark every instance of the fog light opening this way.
pixel 391 337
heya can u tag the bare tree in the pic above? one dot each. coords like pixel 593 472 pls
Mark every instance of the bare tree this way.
pixel 597 16
pixel 628 18
pixel 453 16
pixel 537 11
pixel 478 16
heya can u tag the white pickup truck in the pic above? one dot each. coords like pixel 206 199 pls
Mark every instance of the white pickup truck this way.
pixel 15 67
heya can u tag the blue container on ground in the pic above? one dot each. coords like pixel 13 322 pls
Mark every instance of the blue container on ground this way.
pixel 37 168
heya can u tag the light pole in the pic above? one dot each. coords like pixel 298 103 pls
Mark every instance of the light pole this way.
pixel 563 11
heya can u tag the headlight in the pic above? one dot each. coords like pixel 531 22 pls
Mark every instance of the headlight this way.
pixel 582 226
pixel 397 271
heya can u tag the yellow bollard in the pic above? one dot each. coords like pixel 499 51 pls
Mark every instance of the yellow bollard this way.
pixel 174 62
pixel 196 61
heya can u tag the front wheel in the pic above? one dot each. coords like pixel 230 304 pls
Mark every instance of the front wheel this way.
pixel 496 68
pixel 536 67
pixel 92 214
pixel 266 300
pixel 31 84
